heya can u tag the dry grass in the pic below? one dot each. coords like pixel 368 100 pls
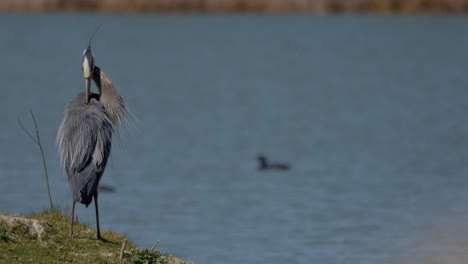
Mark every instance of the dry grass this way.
pixel 270 6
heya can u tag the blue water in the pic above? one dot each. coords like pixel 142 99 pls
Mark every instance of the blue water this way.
pixel 370 111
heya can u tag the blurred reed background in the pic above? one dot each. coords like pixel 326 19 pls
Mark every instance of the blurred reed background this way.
pixel 273 6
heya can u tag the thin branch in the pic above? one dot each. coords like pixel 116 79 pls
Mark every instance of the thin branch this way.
pixel 24 129
pixel 154 245
pixel 37 140
pixel 124 243
pixel 43 159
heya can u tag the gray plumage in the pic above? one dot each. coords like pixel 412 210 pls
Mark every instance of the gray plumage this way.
pixel 85 135
pixel 84 140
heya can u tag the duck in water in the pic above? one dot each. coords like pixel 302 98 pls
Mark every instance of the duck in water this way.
pixel 264 165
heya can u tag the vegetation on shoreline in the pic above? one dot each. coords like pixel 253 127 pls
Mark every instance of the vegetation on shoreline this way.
pixel 44 238
pixel 272 6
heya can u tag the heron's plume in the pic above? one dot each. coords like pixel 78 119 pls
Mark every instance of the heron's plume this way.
pixel 110 98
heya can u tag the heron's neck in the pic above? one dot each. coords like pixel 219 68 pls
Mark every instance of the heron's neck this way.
pixel 263 163
pixel 110 98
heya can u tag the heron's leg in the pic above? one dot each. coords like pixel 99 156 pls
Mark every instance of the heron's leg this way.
pixel 98 232
pixel 72 216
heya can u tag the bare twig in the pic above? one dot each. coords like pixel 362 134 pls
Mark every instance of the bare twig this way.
pixel 37 140
pixel 124 243
pixel 154 245
pixel 24 129
pixel 43 159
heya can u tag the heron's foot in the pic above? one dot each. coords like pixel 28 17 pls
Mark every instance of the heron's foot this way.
pixel 99 237
pixel 103 240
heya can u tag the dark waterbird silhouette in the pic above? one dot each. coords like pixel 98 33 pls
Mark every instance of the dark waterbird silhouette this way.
pixel 265 165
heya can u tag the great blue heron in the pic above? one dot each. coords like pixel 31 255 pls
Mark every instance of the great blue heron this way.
pixel 265 165
pixel 85 135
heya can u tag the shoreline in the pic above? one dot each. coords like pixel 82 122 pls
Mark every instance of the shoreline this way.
pixel 44 237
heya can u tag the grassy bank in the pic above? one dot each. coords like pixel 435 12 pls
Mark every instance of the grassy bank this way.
pixel 273 6
pixel 44 238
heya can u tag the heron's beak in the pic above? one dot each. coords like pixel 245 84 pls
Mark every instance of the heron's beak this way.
pixel 87 65
pixel 88 90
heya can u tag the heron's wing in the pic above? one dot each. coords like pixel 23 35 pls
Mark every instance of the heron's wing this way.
pixel 86 176
pixel 93 141
pixel 84 141
pixel 84 134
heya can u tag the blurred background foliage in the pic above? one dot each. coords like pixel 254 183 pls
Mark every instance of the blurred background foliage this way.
pixel 269 6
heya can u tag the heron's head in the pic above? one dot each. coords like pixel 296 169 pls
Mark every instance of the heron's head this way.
pixel 87 65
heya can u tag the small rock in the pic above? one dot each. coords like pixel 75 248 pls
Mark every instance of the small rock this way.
pixel 35 227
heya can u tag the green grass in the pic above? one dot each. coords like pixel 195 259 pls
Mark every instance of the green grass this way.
pixel 17 245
